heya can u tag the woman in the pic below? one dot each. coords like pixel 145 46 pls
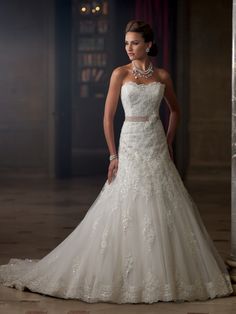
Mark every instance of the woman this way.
pixel 142 240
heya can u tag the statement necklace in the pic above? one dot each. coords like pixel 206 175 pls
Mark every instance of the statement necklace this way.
pixel 142 73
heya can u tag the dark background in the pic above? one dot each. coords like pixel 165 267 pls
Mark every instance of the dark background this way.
pixel 46 129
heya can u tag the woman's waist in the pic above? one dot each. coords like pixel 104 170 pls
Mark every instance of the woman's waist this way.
pixel 141 124
pixel 141 118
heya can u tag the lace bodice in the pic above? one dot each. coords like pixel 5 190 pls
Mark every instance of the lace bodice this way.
pixel 141 99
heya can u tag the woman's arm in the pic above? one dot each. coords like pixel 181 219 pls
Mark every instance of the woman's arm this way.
pixel 173 106
pixel 109 114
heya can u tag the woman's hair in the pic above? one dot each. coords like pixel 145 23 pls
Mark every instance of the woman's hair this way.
pixel 146 31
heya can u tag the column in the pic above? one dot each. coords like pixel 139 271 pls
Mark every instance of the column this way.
pixel 231 261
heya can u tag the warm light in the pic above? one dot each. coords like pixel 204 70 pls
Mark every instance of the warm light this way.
pixel 93 10
pixel 83 9
pixel 97 8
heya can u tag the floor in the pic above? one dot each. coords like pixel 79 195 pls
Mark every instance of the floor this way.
pixel 37 214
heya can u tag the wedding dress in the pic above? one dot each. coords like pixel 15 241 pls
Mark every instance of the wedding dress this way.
pixel 142 240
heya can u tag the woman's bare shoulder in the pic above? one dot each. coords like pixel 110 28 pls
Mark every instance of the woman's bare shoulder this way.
pixel 120 72
pixel 163 75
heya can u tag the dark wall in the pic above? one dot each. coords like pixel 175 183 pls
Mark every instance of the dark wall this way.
pixel 210 44
pixel 25 90
pixel 203 80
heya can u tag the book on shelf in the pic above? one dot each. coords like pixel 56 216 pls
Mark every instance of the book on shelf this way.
pixel 87 27
pixel 93 27
pixel 92 59
pixel 92 75
pixel 90 44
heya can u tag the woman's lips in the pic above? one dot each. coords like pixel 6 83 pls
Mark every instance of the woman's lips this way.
pixel 131 54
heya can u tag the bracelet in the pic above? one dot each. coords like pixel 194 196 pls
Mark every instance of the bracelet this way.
pixel 113 157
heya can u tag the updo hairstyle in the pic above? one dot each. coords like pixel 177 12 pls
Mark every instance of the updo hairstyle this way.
pixel 146 31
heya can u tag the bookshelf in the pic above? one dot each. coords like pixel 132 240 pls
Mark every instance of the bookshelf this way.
pixel 91 68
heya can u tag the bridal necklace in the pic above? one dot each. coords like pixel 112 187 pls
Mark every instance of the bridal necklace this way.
pixel 137 72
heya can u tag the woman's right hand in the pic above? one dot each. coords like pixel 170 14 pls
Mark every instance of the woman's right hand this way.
pixel 112 170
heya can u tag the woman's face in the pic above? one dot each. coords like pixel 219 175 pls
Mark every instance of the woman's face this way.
pixel 135 45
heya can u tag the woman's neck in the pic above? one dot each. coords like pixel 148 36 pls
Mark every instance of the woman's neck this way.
pixel 142 64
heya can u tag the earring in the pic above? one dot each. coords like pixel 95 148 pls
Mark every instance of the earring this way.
pixel 147 49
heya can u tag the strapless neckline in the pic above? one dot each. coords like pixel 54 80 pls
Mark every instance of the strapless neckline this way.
pixel 142 84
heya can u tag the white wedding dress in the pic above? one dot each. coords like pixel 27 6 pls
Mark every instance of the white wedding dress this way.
pixel 142 240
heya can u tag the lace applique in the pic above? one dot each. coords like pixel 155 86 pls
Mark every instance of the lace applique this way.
pixel 126 219
pixel 170 220
pixel 191 243
pixel 152 291
pixel 151 285
pixel 75 266
pixel 148 232
pixel 115 206
pixel 136 118
pixel 104 241
pixel 129 262
pixel 94 226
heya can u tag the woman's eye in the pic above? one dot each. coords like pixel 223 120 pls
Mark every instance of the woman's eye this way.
pixel 133 43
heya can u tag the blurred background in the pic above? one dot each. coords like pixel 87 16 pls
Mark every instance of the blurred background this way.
pixel 56 58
